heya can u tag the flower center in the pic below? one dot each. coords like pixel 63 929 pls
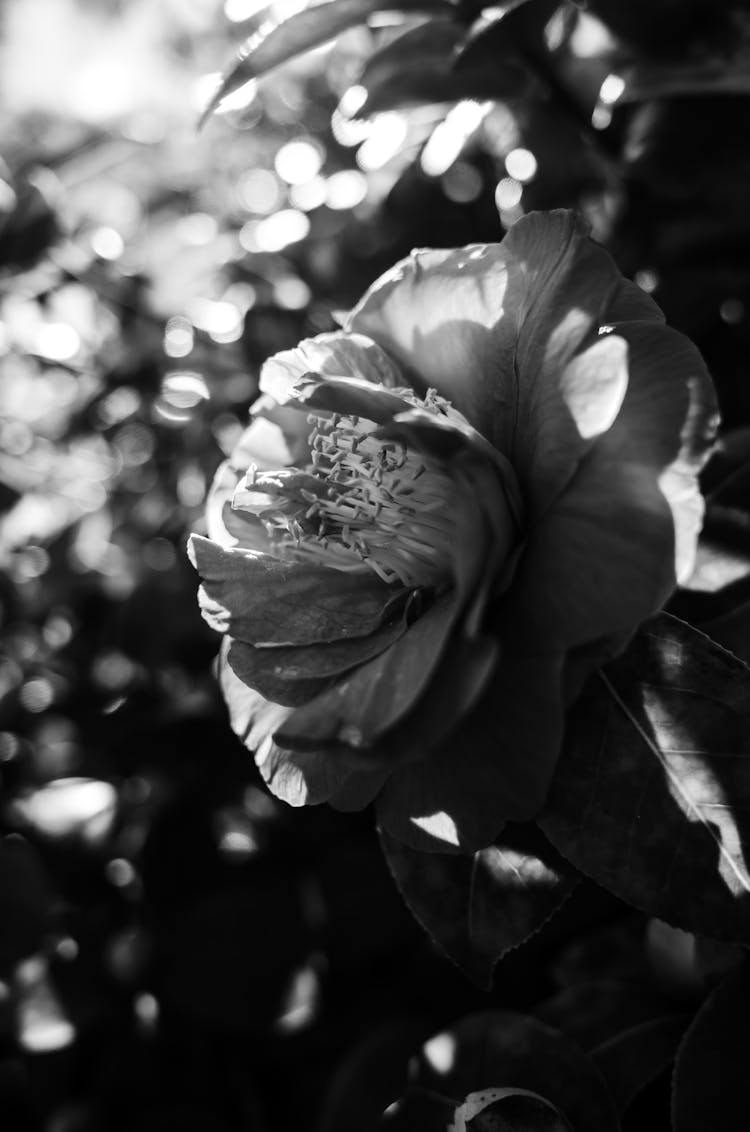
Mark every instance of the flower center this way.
pixel 369 502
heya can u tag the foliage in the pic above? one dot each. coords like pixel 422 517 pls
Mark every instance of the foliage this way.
pixel 177 949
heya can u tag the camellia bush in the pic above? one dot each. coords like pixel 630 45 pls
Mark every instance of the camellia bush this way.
pixel 426 328
pixel 438 556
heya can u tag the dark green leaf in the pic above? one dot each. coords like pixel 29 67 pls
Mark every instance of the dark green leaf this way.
pixel 501 1049
pixel 477 907
pixel 416 68
pixel 276 42
pixel 519 33
pixel 632 1059
pixel 651 797
pixel 711 1075
pixel 595 1012
pixel 370 1076
pixel 417 1111
pixel 518 1112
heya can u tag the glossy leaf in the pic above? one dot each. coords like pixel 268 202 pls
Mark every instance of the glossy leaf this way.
pixel 595 1012
pixel 652 794
pixel 477 907
pixel 517 34
pixel 631 1060
pixel 370 1075
pixel 518 1110
pixel 710 1081
pixel 502 1049
pixel 275 42
pixel 417 68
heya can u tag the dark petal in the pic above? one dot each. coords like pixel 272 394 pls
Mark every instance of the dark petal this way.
pixel 365 705
pixel 308 778
pixel 291 675
pixel 608 551
pixel 495 767
pixel 347 395
pixel 262 601
pixel 296 778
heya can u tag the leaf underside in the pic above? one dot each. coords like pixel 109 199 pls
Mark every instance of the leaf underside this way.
pixel 652 794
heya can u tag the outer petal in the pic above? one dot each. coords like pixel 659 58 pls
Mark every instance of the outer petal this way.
pixel 364 706
pixel 610 548
pixel 361 711
pixel 275 437
pixel 266 602
pixel 495 767
pixel 299 779
pixel 293 675
pixel 450 317
pixel 493 328
pixel 331 355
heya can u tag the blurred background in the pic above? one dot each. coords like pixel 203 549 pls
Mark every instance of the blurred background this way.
pixel 178 950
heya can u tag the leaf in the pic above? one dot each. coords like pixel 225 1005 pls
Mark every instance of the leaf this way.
pixel 477 907
pixel 651 797
pixel 631 1060
pixel 502 1049
pixel 518 34
pixel 276 42
pixel 710 1086
pixel 517 1110
pixel 709 76
pixel 417 1111
pixel 595 1012
pixel 416 68
pixel 370 1076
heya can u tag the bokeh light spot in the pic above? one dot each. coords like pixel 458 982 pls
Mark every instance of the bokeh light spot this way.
pixel 647 279
pixel 291 293
pixel 278 231
pixel 178 337
pixel 37 695
pixel 259 191
pixel 298 161
pixel 119 872
pixel 312 194
pixel 521 164
pixel 732 311
pixel 107 243
pixel 58 341
pixel 346 189
pixel 508 193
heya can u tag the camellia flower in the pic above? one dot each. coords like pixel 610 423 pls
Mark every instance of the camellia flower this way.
pixel 441 518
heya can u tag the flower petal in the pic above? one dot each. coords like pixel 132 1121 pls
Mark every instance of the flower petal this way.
pixel 293 675
pixel 331 355
pixel 493 327
pixel 364 706
pixel 298 779
pixel 449 317
pixel 610 548
pixel 275 437
pixel 307 778
pixel 352 395
pixel 496 767
pixel 263 601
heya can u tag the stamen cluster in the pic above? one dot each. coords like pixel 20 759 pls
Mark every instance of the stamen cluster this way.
pixel 369 502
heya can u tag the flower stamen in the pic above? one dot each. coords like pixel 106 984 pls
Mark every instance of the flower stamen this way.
pixel 385 507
